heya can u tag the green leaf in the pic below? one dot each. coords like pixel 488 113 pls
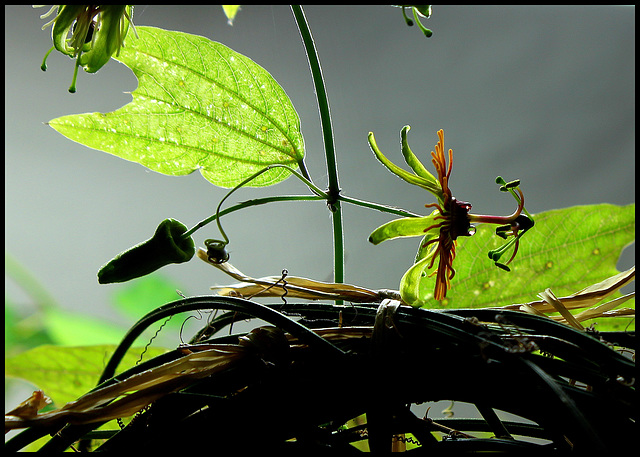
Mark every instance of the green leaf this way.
pixel 71 328
pixel 11 321
pixel 199 106
pixel 22 333
pixel 65 373
pixel 144 295
pixel 567 250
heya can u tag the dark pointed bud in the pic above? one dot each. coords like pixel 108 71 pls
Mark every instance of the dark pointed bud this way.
pixel 165 247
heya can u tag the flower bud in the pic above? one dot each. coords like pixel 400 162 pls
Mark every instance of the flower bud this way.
pixel 165 247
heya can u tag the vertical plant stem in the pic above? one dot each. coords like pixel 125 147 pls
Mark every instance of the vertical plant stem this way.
pixel 327 133
pixel 338 246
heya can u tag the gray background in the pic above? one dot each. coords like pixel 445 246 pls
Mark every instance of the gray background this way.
pixel 544 94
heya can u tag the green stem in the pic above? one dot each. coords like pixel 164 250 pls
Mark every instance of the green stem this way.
pixel 338 246
pixel 327 132
pixel 377 206
pixel 283 198
pixel 320 195
pixel 332 196
pixel 321 94
pixel 247 204
pixel 303 170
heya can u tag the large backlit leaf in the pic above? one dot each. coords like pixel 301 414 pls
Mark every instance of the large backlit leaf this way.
pixel 64 373
pixel 567 250
pixel 198 105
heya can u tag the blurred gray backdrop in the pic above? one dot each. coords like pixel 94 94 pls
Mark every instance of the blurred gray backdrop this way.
pixel 544 94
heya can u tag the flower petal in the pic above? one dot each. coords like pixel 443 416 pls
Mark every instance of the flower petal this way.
pixel 423 249
pixel 65 19
pixel 411 158
pixel 410 283
pixel 108 39
pixel 404 227
pixel 430 184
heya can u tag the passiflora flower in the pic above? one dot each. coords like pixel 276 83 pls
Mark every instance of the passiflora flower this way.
pixel 91 34
pixel 449 220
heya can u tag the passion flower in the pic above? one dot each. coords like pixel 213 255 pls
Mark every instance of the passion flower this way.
pixel 90 34
pixel 449 220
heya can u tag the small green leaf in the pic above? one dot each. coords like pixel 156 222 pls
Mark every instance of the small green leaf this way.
pixel 567 250
pixel 65 373
pixel 199 106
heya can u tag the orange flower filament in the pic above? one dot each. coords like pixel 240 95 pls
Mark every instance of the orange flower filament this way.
pixel 455 222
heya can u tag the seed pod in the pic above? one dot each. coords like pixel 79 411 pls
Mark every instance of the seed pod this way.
pixel 165 247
